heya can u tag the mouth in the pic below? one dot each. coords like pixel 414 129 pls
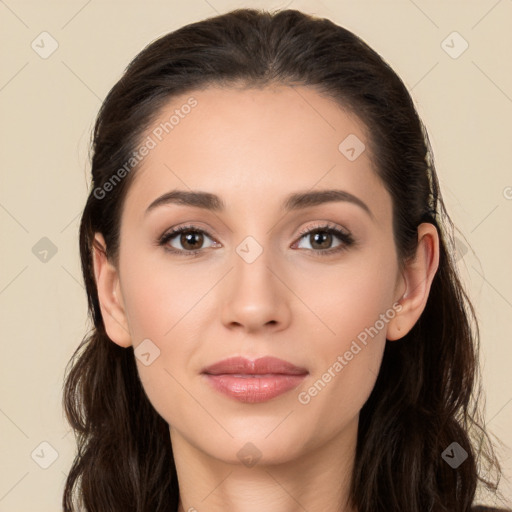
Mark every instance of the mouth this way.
pixel 254 381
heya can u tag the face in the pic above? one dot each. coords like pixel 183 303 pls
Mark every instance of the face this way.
pixel 313 283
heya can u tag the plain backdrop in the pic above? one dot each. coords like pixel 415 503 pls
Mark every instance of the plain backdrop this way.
pixel 59 60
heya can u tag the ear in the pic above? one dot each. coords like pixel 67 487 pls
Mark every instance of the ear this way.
pixel 417 277
pixel 109 295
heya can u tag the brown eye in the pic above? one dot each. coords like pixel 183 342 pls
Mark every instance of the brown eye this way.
pixel 191 240
pixel 321 240
pixel 186 240
pixel 325 240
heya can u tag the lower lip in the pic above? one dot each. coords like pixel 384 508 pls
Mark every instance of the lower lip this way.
pixel 253 389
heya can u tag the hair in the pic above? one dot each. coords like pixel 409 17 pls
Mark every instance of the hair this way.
pixel 426 396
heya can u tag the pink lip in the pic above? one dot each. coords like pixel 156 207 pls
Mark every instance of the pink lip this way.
pixel 254 381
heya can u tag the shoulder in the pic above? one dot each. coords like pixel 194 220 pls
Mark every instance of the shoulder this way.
pixel 483 508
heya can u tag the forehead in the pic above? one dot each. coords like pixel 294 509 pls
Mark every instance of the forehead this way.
pixel 254 145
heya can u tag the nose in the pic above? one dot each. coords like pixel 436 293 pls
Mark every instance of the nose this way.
pixel 255 297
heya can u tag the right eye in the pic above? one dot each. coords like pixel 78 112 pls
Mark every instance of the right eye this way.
pixel 191 239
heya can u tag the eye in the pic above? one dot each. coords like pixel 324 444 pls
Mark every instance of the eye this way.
pixel 190 238
pixel 321 238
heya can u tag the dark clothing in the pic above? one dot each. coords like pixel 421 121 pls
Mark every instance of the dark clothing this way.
pixel 482 508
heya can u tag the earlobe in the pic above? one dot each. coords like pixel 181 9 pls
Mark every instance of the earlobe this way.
pixel 418 275
pixel 109 295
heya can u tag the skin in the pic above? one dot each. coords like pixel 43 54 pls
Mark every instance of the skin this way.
pixel 253 147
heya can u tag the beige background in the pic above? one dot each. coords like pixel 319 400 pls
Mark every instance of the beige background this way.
pixel 48 107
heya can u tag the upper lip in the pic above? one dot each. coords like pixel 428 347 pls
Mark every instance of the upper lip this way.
pixel 261 366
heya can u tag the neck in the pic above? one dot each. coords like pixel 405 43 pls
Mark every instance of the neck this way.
pixel 317 481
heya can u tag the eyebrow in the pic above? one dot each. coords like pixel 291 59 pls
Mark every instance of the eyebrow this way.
pixel 293 202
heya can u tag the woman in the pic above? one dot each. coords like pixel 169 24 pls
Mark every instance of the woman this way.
pixel 278 321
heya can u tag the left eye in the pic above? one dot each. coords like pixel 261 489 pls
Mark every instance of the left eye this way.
pixel 192 239
pixel 321 239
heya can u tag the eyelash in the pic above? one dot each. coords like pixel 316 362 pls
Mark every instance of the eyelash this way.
pixel 343 236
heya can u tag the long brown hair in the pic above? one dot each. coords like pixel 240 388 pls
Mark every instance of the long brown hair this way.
pixel 426 396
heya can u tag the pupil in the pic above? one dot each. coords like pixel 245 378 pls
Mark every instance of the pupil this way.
pixel 191 239
pixel 326 236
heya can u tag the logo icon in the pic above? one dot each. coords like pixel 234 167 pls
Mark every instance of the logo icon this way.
pixel 249 455
pixel 249 249
pixel 146 352
pixel 44 45
pixel 454 45
pixel 454 455
pixel 44 455
pixel 351 147
pixel 44 250
pixel 461 249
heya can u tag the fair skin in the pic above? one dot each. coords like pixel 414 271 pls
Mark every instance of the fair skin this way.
pixel 253 148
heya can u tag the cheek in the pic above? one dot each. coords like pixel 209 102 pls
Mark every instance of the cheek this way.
pixel 346 366
pixel 354 305
pixel 160 295
pixel 165 303
pixel 343 300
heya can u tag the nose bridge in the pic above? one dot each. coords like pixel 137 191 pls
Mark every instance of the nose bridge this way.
pixel 252 277
pixel 255 297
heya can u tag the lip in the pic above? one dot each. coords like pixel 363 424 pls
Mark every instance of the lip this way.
pixel 254 381
pixel 261 366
